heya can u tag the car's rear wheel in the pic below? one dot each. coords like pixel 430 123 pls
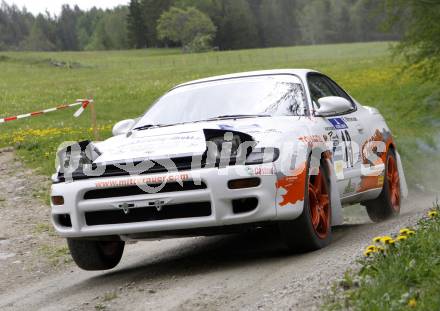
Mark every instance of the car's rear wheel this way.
pixel 387 205
pixel 312 230
pixel 96 255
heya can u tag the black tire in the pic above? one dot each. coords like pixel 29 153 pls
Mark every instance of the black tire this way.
pixel 382 208
pixel 299 234
pixel 94 255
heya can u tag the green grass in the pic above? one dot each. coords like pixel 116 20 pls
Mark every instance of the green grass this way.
pixel 125 83
pixel 56 255
pixel 407 277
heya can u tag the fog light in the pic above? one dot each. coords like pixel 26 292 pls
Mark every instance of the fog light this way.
pixel 58 200
pixel 244 205
pixel 244 183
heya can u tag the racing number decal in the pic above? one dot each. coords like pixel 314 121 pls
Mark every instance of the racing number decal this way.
pixel 349 157
pixel 341 128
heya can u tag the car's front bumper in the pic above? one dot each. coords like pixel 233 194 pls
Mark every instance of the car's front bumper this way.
pixel 216 194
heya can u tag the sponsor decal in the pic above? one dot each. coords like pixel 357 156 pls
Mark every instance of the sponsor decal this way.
pixel 350 119
pixel 338 123
pixel 334 137
pixel 161 146
pixel 351 187
pixel 150 180
pixel 294 185
pixel 380 180
pixel 349 157
pixel 311 139
pixel 261 170
pixel 339 169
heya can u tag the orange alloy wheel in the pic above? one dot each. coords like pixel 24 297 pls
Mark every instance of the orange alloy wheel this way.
pixel 319 205
pixel 393 183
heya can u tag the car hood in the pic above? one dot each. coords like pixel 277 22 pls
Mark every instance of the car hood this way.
pixel 180 140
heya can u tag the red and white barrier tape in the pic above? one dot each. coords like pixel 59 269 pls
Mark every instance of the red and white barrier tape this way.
pixel 80 102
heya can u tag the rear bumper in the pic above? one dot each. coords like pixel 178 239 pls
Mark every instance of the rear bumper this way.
pixel 91 217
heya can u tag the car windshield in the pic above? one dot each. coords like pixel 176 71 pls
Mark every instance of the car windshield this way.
pixel 274 95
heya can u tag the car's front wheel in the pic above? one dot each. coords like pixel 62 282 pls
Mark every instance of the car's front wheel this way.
pixel 94 255
pixel 312 230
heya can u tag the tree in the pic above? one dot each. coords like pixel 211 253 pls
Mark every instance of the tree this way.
pixel 87 24
pixel 15 25
pixel 152 10
pixel 237 26
pixel 314 27
pixel 190 27
pixel 239 23
pixel 420 43
pixel 279 22
pixel 110 32
pixel 66 28
pixel 136 26
pixel 41 36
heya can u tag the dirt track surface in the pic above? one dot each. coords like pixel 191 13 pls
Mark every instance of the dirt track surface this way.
pixel 238 272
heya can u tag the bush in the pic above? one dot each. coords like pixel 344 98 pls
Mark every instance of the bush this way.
pixel 200 43
pixel 189 27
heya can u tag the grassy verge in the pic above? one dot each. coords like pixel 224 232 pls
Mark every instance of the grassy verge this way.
pixel 403 273
pixel 56 255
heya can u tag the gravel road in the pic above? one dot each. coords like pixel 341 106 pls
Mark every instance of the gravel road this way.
pixel 237 272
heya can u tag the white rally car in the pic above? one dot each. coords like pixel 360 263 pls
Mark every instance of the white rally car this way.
pixel 284 148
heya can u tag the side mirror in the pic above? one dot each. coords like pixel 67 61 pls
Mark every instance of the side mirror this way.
pixel 123 127
pixel 332 105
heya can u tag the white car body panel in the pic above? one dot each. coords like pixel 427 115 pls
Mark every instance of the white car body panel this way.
pixel 276 201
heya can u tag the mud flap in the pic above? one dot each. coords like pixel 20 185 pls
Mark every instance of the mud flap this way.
pixel 403 184
pixel 337 218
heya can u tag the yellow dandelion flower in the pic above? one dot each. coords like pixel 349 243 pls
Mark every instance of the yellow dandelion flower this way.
pixel 380 249
pixel 401 238
pixel 432 214
pixel 372 248
pixel 369 252
pixel 404 231
pixel 411 232
pixel 377 239
pixel 386 239
pixel 412 303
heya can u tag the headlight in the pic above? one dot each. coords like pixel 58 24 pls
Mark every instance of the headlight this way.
pixel 230 149
pixel 263 155
pixel 225 148
pixel 76 157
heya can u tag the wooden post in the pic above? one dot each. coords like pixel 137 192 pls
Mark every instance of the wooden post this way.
pixel 94 123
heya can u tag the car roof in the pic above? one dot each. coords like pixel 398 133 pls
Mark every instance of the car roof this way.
pixel 302 73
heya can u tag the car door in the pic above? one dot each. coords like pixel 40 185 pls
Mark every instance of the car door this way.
pixel 345 130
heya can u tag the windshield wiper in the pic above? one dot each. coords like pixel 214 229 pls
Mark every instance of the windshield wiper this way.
pixel 236 116
pixel 146 127
pixel 232 116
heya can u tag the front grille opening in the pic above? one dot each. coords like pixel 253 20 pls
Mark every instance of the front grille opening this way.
pixel 63 220
pixel 150 213
pixel 136 190
pixel 241 206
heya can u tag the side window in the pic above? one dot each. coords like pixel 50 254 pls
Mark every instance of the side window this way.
pixel 320 87
pixel 339 90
